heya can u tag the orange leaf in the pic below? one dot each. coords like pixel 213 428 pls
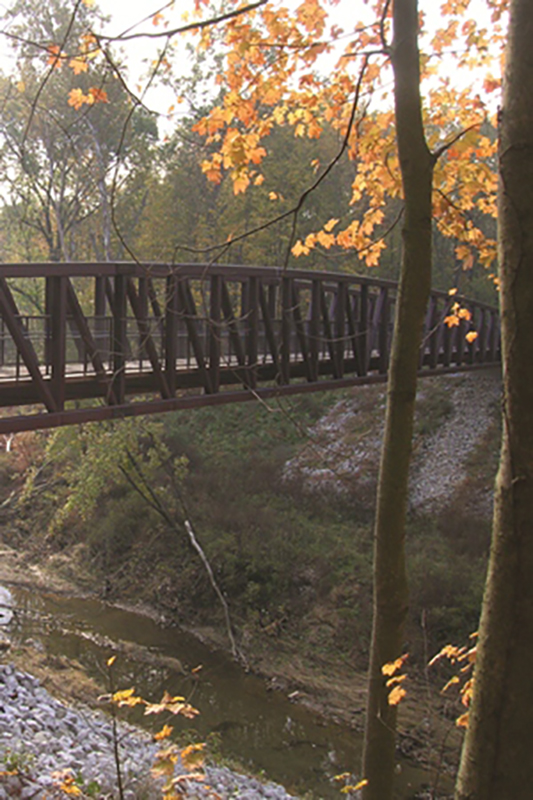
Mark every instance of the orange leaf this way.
pixel 76 98
pixel 78 65
pixel 56 57
pixel 396 695
pixel 471 336
pixel 393 666
pixel 451 321
pixel 98 95
pixel 164 733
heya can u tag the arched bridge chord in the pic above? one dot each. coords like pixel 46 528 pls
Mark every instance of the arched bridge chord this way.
pixel 139 338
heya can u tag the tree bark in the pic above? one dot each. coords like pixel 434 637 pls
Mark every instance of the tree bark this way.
pixel 390 582
pixel 496 762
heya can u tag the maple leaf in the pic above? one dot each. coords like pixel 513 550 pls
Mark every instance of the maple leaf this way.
pixel 78 64
pixel 300 249
pixel 56 56
pixel 98 95
pixel 451 321
pixel 393 666
pixel 164 733
pixel 76 98
pixel 396 695
pixel 126 698
pixel 193 756
pixel 156 19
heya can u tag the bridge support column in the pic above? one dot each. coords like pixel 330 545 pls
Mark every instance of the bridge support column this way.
pixel 119 339
pixel 57 297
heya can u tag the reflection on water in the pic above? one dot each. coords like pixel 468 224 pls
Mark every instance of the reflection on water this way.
pixel 262 730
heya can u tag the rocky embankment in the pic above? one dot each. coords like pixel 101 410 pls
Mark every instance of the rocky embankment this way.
pixel 454 413
pixel 44 743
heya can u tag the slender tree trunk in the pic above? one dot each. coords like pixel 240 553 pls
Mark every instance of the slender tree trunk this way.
pixel 390 583
pixel 497 761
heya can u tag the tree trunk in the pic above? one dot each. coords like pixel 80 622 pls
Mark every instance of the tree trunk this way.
pixel 497 761
pixel 390 583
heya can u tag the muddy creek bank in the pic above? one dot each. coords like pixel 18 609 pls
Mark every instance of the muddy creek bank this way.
pixel 264 731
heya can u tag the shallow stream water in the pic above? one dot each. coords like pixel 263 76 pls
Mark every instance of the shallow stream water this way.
pixel 263 730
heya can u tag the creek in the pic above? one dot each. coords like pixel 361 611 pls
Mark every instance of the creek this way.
pixel 262 730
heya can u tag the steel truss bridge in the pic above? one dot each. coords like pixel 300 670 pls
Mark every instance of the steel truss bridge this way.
pixel 124 339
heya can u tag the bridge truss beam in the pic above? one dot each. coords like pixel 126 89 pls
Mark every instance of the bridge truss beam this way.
pixel 135 339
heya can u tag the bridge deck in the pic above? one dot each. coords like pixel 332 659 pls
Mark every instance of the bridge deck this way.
pixel 189 334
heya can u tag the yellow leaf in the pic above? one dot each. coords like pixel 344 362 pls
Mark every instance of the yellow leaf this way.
pixel 21 86
pixel 193 756
pixel 328 227
pixel 395 680
pixel 164 733
pixel 471 336
pixel 451 682
pixel 76 98
pixel 300 249
pixel 127 698
pixel 111 661
pixel 452 292
pixel 451 321
pixel 462 721
pixel 396 695
pixel 393 666
pixel 78 65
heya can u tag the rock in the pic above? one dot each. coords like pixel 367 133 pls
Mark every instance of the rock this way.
pixel 44 737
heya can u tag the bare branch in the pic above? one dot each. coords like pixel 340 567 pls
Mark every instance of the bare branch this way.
pixel 192 26
pixel 436 154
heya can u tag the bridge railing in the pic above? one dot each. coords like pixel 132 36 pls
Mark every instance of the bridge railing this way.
pixel 117 330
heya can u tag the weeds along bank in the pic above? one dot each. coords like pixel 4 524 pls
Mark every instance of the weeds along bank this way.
pixel 280 498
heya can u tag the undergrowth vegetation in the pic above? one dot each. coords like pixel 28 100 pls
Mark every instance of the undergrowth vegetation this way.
pixel 294 565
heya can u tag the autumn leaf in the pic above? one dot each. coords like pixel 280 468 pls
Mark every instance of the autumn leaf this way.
pixel 56 56
pixel 299 249
pixel 471 336
pixel 452 320
pixel 393 666
pixel 348 789
pixel 462 721
pixel 78 65
pixel 76 98
pixel 164 733
pixel 193 756
pixel 396 695
pixel 126 697
pixel 98 95
pixel 452 682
